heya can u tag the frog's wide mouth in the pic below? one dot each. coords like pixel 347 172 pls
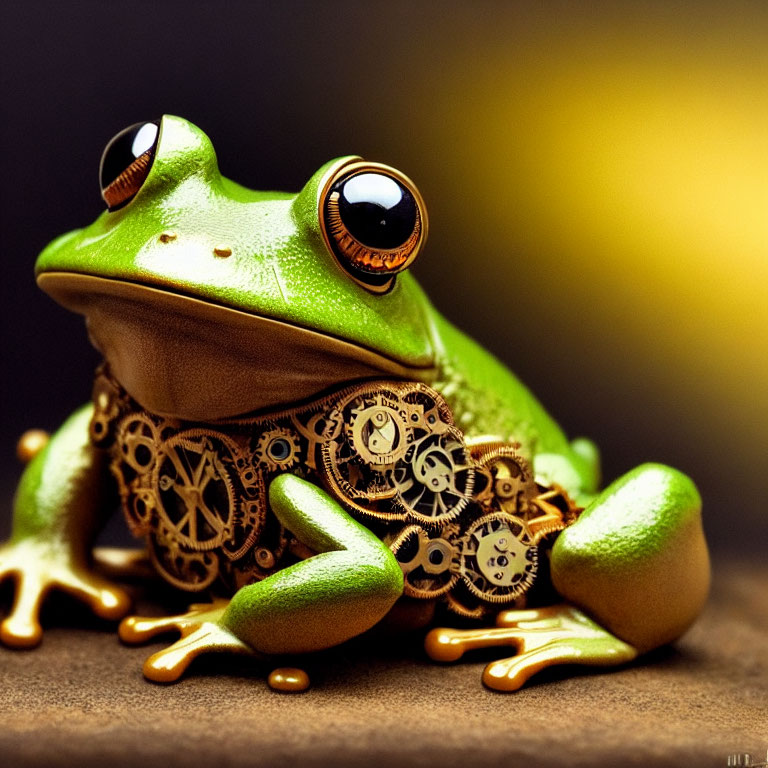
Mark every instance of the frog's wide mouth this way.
pixel 187 358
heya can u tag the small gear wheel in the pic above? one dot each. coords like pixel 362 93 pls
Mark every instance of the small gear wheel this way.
pixel 317 429
pixel 551 510
pixel 425 561
pixel 496 558
pixel 434 479
pixel 377 428
pixel 265 557
pixel 138 441
pixel 106 410
pixel 510 486
pixel 278 449
pixel 426 412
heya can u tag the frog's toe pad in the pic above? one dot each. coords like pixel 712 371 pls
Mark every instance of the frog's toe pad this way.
pixel 138 629
pixel 168 665
pixel 288 679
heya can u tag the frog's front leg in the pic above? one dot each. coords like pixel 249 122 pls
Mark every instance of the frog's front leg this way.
pixel 338 593
pixel 59 507
pixel 635 570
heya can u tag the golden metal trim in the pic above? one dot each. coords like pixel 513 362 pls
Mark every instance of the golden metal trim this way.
pixel 354 166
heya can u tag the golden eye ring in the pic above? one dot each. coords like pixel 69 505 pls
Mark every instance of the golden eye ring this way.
pixel 374 222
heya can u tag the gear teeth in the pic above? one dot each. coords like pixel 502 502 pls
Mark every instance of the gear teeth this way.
pixel 497 559
pixel 278 449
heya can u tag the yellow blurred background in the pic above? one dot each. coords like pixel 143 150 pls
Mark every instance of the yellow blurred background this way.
pixel 607 175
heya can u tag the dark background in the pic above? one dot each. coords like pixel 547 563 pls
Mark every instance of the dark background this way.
pixel 595 180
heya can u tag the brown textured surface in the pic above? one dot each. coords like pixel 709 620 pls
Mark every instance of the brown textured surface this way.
pixel 80 700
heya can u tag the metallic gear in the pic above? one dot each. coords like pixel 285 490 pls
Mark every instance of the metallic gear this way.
pixel 278 449
pixel 434 479
pixel 188 570
pixel 377 428
pixel 320 428
pixel 197 502
pixel 106 410
pixel 426 561
pixel 497 560
pixel 388 451
pixel 552 510
pixel 509 480
pixel 139 439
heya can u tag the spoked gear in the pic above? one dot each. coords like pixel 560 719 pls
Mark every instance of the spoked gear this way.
pixel 278 449
pixel 107 402
pixel 496 558
pixel 426 561
pixel 317 429
pixel 552 510
pixel 434 479
pixel 136 440
pixel 197 502
pixel 263 559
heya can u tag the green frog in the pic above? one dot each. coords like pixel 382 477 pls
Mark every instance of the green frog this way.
pixel 296 431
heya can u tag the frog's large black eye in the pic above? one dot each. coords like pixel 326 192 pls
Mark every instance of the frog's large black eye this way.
pixel 374 221
pixel 126 162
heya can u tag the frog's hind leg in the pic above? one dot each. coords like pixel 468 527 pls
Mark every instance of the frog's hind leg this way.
pixel 635 569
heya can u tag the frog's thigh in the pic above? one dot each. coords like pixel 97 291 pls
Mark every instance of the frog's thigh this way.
pixel 319 602
pixel 636 560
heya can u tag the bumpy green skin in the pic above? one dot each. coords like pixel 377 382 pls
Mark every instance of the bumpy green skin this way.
pixel 636 551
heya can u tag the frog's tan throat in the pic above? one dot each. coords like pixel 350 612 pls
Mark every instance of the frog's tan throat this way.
pixel 190 359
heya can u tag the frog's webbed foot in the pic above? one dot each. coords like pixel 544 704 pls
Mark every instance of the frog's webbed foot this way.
pixel 543 637
pixel 37 569
pixel 200 633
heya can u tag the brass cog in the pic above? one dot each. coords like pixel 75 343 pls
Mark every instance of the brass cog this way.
pixel 138 439
pixel 425 561
pixel 197 501
pixel 377 428
pixel 190 571
pixel 107 401
pixel 496 559
pixel 362 489
pixel 434 479
pixel 510 486
pixel 278 449
pixel 426 412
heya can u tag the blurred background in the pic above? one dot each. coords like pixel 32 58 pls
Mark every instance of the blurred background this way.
pixel 596 177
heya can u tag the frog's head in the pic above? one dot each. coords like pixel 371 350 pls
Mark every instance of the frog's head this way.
pixel 210 300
